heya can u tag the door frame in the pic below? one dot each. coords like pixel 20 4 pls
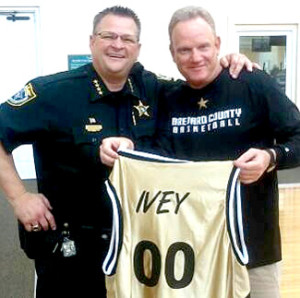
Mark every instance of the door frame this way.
pixel 34 11
pixel 242 27
pixel 23 155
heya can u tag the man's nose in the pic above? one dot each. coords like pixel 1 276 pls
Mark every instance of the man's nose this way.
pixel 118 42
pixel 196 55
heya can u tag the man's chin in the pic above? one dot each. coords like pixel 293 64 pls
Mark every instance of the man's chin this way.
pixel 197 79
pixel 117 65
pixel 119 71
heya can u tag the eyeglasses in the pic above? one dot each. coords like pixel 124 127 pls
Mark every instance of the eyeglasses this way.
pixel 112 36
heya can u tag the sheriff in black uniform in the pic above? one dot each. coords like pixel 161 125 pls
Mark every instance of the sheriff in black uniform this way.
pixel 65 116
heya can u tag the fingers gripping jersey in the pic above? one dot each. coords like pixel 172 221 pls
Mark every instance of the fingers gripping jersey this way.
pixel 170 235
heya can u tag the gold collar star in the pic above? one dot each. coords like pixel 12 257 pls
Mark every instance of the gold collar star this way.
pixel 202 103
pixel 98 87
pixel 142 109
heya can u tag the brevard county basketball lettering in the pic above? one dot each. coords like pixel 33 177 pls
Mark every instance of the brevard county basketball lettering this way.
pixel 204 123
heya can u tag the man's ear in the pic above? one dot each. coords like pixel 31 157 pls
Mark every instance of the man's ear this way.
pixel 91 40
pixel 172 52
pixel 138 52
pixel 218 44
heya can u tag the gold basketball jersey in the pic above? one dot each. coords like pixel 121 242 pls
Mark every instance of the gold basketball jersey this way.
pixel 177 229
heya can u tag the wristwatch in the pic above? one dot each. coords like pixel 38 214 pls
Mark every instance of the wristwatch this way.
pixel 272 163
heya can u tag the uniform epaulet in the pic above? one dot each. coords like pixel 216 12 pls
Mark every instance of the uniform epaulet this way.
pixel 170 82
pixel 162 77
pixel 37 85
pixel 60 76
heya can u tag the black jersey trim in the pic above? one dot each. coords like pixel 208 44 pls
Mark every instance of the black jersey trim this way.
pixel 139 155
pixel 110 263
pixel 234 217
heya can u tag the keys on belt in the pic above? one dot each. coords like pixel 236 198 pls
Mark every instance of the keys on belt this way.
pixel 65 243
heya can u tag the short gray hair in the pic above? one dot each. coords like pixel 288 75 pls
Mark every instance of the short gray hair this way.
pixel 118 11
pixel 189 13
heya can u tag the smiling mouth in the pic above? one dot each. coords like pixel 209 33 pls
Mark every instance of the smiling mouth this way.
pixel 197 68
pixel 117 56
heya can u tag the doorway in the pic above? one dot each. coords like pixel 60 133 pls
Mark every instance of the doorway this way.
pixel 19 63
pixel 274 48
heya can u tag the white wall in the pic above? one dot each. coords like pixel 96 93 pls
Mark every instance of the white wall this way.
pixel 65 26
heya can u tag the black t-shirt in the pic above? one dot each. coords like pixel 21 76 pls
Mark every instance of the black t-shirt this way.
pixel 223 120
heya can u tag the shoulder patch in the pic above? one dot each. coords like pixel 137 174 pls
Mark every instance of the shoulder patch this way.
pixel 23 96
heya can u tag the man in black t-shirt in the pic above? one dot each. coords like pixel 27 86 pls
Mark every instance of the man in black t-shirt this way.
pixel 213 117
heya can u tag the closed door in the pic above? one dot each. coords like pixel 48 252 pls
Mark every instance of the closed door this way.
pixel 19 63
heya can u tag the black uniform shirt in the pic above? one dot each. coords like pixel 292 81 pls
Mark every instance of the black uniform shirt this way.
pixel 65 116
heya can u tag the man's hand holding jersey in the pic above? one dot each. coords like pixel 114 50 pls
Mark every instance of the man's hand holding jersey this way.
pixel 109 149
pixel 253 164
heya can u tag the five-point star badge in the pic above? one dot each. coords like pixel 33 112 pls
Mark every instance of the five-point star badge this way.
pixel 143 110
pixel 202 103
